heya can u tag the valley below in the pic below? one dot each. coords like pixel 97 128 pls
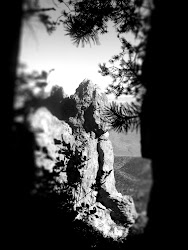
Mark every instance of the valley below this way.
pixel 133 177
pixel 132 173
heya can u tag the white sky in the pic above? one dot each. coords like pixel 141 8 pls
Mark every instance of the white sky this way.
pixel 41 51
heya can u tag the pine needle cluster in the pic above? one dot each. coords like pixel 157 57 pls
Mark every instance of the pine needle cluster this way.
pixel 123 117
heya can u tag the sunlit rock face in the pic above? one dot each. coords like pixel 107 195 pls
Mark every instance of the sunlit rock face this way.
pixel 77 156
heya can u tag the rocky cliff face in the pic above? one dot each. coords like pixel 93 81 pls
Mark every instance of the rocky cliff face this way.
pixel 74 155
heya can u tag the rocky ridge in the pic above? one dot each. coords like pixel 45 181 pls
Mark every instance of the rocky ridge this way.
pixel 74 155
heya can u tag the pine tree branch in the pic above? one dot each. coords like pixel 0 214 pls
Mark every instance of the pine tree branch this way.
pixel 123 117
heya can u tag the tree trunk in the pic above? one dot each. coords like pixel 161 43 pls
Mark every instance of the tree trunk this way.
pixel 160 127
pixel 11 150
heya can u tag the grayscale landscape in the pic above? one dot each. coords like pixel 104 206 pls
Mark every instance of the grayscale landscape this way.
pixel 132 173
pixel 125 144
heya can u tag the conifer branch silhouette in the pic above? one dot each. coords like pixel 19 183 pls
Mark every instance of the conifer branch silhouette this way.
pixel 123 117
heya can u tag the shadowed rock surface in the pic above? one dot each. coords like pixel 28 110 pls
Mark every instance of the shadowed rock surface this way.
pixel 74 156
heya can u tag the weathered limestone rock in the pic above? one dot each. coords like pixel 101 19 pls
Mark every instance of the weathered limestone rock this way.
pixel 78 154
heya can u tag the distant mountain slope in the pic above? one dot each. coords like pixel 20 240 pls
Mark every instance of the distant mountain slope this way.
pixel 125 144
pixel 133 177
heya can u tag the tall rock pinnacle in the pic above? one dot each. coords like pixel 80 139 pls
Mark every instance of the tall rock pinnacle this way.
pixel 75 151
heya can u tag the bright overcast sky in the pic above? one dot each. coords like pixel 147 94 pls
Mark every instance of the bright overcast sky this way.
pixel 41 51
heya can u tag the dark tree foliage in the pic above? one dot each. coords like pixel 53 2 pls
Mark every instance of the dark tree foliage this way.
pixel 30 94
pixel 28 87
pixel 90 19
pixel 85 20
pixel 125 73
pixel 123 117
pixel 32 8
